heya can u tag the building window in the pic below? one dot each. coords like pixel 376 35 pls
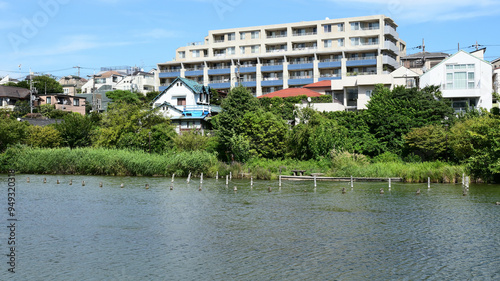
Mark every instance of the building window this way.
pixel 355 25
pixel 340 42
pixel 76 102
pixel 340 27
pixel 242 35
pixel 255 34
pixel 181 101
pixel 328 43
pixel 182 55
pixel 231 37
pixel 49 100
pixel 195 53
pixel 231 50
pixel 66 91
pixel 355 41
pixel 459 77
pixel 368 93
pixel 255 49
pixel 242 50
pixel 327 28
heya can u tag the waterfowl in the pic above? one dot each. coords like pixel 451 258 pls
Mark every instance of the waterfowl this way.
pixel 100 184
pixel 269 189
pixel 121 185
pixel 497 203
pixel 28 180
pixel 83 183
pixel 147 186
pixel 70 182
pixel 235 188
pixel 57 182
pixel 381 191
pixel 418 192
pixel 171 187
pixel 343 190
pixel 44 180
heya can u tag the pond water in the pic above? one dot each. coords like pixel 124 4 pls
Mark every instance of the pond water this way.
pixel 75 232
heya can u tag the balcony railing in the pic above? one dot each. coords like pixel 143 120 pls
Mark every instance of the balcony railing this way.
pixel 166 71
pixel 305 49
pixel 301 77
pixel 218 81
pixel 329 60
pixel 370 27
pixel 329 75
pixel 305 33
pixel 272 78
pixel 361 73
pixel 275 50
pixel 194 68
pixel 219 41
pixel 362 58
pixel 219 67
pixel 272 63
pixel 276 36
pixel 300 62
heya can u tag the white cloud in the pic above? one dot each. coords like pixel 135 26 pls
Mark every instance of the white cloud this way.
pixel 428 10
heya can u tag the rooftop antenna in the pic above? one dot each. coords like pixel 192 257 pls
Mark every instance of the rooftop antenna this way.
pixel 78 70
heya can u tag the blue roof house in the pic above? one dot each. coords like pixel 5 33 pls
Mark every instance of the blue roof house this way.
pixel 187 104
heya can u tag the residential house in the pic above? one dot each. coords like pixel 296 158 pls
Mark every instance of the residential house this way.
pixel 465 79
pixel 496 80
pixel 7 79
pixel 187 104
pixel 423 61
pixel 72 84
pixel 10 95
pixel 134 81
pixel 63 102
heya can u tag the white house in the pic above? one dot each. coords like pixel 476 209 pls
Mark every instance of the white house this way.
pixel 187 104
pixel 137 81
pixel 464 79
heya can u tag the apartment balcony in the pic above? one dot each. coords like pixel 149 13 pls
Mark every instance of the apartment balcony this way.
pixel 390 61
pixel 195 110
pixel 272 81
pixel 300 65
pixel 248 69
pixel 389 45
pixel 249 83
pixel 361 73
pixel 330 77
pixel 305 33
pixel 305 49
pixel 194 72
pixel 329 63
pixel 363 61
pixel 220 84
pixel 269 51
pixel 169 74
pixel 389 30
pixel 219 70
pixel 276 36
pixel 300 80
pixel 272 67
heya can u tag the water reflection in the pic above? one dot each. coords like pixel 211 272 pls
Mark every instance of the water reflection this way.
pixel 70 232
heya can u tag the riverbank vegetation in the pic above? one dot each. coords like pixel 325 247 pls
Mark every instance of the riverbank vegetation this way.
pixel 407 133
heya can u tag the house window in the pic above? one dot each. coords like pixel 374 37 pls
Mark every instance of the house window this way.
pixel 460 76
pixel 327 28
pixel 255 34
pixel 49 100
pixel 368 93
pixel 76 102
pixel 66 91
pixel 181 101
pixel 340 27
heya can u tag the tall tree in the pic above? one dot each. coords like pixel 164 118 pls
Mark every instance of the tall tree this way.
pixel 45 84
pixel 392 114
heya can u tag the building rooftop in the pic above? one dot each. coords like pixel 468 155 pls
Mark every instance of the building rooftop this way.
pixel 14 92
pixel 320 84
pixel 426 55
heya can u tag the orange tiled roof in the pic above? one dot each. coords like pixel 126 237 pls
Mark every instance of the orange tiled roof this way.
pixel 291 92
pixel 320 84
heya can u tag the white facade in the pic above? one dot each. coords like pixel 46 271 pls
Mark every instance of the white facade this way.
pixel 270 58
pixel 354 92
pixel 463 78
pixel 139 81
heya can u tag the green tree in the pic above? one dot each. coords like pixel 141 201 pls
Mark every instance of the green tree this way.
pixel 21 108
pixel 124 96
pixel 46 136
pixel 476 142
pixel 215 97
pixel 191 141
pixel 392 114
pixel 429 142
pixel 11 130
pixel 76 130
pixel 45 84
pixel 266 133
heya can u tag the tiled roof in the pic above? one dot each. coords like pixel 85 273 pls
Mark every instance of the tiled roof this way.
pixel 110 73
pixel 320 84
pixel 426 54
pixel 193 85
pixel 14 92
pixel 291 92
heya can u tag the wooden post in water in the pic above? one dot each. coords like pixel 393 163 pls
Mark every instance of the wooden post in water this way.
pixel 173 176
pixel 227 180
pixel 217 175
pixel 280 181
pixel 189 177
pixel 251 181
pixel 315 181
pixel 428 182
pixel 28 180
pixel 231 175
pixel 463 179
pixel 352 183
pixel 389 184
pixel 201 178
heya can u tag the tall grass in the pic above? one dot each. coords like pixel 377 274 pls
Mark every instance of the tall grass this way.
pixel 101 161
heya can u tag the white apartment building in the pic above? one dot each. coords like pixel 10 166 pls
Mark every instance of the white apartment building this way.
pixel 465 79
pixel 273 57
pixel 136 81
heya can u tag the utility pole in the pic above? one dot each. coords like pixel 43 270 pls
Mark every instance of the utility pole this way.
pixel 31 93
pixel 78 70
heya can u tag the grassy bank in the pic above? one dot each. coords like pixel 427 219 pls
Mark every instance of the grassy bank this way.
pixel 100 161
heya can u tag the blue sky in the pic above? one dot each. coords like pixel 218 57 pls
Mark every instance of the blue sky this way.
pixel 53 36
